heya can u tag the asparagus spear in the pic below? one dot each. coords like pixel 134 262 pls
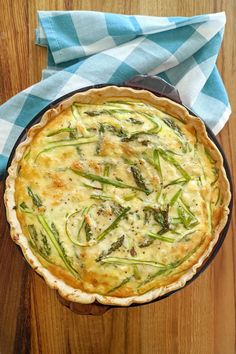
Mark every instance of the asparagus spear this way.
pixel 43 249
pixel 25 209
pixel 57 244
pixel 114 224
pixel 106 180
pixel 114 246
pixel 139 179
pixel 33 233
pixel 147 242
pixel 77 142
pixel 99 144
pixel 35 198
pixel 176 129
pixel 88 231
pixel 161 216
pixel 136 135
pixel 134 121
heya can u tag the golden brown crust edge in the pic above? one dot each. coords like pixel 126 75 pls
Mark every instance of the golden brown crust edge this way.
pixel 18 237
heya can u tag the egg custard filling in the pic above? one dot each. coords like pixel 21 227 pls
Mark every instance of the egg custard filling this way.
pixel 118 197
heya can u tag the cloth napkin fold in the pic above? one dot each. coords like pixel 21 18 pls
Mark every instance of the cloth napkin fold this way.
pixel 86 48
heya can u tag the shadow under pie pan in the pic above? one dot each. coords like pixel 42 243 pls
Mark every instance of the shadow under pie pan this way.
pixel 160 88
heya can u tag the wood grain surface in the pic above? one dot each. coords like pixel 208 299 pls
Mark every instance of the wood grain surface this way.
pixel 199 319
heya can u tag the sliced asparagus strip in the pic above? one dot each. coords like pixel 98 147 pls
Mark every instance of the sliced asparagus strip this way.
pixel 106 173
pixel 151 277
pixel 161 238
pixel 171 266
pixel 125 281
pixel 82 213
pixel 114 224
pixel 80 141
pixel 62 130
pixel 57 245
pixel 82 220
pixel 120 102
pixel 166 156
pixel 217 189
pixel 208 155
pixel 27 155
pixel 187 218
pixel 175 197
pixel 185 237
pixel 209 211
pixel 136 135
pixel 215 171
pixel 101 197
pixel 50 143
pixel 106 180
pixel 154 120
pixel 157 163
pixel 131 261
pixel 180 180
pixel 130 196
pixel 91 187
pixel 186 207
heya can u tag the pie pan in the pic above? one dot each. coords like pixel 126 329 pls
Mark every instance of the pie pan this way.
pixel 160 88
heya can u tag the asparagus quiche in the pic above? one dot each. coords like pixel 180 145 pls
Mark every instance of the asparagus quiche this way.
pixel 117 196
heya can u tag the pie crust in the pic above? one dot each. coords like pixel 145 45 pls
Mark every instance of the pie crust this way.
pixel 94 95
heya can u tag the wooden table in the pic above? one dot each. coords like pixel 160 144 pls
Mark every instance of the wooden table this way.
pixel 200 319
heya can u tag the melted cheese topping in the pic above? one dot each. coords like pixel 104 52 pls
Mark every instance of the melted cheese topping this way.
pixel 117 198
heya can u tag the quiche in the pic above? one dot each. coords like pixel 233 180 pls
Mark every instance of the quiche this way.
pixel 117 196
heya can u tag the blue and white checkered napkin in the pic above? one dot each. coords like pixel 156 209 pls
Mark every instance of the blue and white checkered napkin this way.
pixel 87 48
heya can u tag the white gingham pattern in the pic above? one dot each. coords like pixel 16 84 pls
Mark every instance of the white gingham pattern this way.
pixel 86 48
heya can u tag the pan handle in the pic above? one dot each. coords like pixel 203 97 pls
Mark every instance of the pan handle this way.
pixel 155 84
